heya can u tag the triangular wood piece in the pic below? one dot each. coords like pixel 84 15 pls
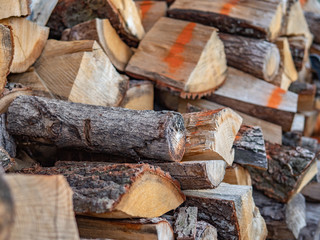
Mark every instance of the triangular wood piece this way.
pixel 119 190
pixel 6 54
pixel 183 56
pixel 17 8
pixel 259 19
pixel 237 175
pixel 29 41
pixel 102 31
pixel 210 135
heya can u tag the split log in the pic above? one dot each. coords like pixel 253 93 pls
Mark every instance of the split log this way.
pixel 18 8
pixel 256 57
pixel 249 148
pixel 65 67
pixel 40 11
pixel 257 98
pixel 206 231
pixel 7 210
pixel 185 224
pixel 183 56
pixel 210 135
pixel 259 19
pixel 116 131
pixel 29 40
pixel 312 230
pixel 134 229
pixel 101 31
pixel 271 132
pixel 224 208
pixel 313 20
pixel 299 51
pixel 312 192
pixel 237 175
pixel 139 96
pixel 119 190
pixel 298 124
pixel 290 169
pixel 306 94
pixel 151 12
pixel 42 207
pixel 284 221
pixel 6 54
pixel 310 122
pixel 123 16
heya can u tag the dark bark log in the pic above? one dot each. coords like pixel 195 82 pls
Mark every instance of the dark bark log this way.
pixel 109 190
pixel 313 20
pixel 256 57
pixel 299 50
pixel 295 139
pixel 290 169
pixel 249 148
pixel 206 231
pixel 116 131
pixel 185 225
pixel 6 208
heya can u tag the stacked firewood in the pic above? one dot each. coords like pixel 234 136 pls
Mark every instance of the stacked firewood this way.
pixel 227 154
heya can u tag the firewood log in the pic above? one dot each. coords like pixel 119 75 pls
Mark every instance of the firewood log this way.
pixel 7 208
pixel 237 175
pixel 7 146
pixel 249 148
pixel 116 131
pixel 119 190
pixel 6 54
pixel 256 57
pixel 29 41
pixel 299 51
pixel 123 16
pixel 40 11
pixel 295 139
pixel 306 94
pixel 42 208
pixel 14 8
pixel 230 209
pixel 185 223
pixel 313 20
pixel 312 192
pixel 310 122
pixel 210 135
pixel 206 231
pixel 151 12
pixel 257 98
pixel 183 56
pixel 133 229
pixel 259 19
pixel 102 31
pixel 65 67
pixel 284 221
pixel 312 230
pixel 290 169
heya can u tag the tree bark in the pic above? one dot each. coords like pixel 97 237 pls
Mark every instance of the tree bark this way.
pixel 40 11
pixel 206 231
pixel 116 131
pixel 185 225
pixel 299 51
pixel 313 20
pixel 112 191
pixel 6 54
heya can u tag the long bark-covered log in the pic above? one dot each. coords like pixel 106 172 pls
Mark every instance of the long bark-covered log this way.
pixel 256 57
pixel 185 224
pixel 290 169
pixel 119 190
pixel 249 147
pixel 116 131
pixel 127 229
pixel 313 20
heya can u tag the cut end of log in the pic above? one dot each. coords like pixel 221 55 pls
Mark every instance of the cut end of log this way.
pixel 272 62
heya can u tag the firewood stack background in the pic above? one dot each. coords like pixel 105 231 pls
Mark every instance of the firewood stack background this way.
pixel 178 119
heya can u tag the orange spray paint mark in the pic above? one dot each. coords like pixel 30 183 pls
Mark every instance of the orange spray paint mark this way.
pixel 275 98
pixel 174 58
pixel 303 2
pixel 226 8
pixel 145 7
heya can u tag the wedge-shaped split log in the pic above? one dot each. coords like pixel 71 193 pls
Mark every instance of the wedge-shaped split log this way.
pixel 134 229
pixel 290 169
pixel 116 131
pixel 230 209
pixel 42 207
pixel 210 135
pixel 119 190
pixel 6 54
pixel 250 148
pixel 257 98
pixel 123 16
pixel 183 56
pixel 80 71
pixel 101 31
pixel 258 19
pixel 237 175
pixel 29 40
pixel 17 8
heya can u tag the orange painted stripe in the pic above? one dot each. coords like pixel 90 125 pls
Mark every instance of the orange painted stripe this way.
pixel 275 98
pixel 303 2
pixel 145 7
pixel 174 59
pixel 226 8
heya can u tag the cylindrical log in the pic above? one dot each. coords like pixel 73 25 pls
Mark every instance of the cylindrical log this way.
pixel 116 131
pixel 257 57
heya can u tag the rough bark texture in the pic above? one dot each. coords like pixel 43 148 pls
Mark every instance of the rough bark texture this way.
pixel 116 131
pixel 185 225
pixel 6 53
pixel 6 208
pixel 299 51
pixel 6 140
pixel 249 147
pixel 256 57
pixel 206 231
pixel 295 139
pixel 313 20
pixel 287 169
pixel 101 189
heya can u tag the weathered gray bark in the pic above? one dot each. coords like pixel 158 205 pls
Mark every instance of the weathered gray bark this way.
pixel 116 131
pixel 295 139
pixel 313 20
pixel 185 225
pixel 312 230
pixel 206 231
pixel 6 140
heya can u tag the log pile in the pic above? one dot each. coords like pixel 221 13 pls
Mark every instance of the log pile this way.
pixel 174 119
